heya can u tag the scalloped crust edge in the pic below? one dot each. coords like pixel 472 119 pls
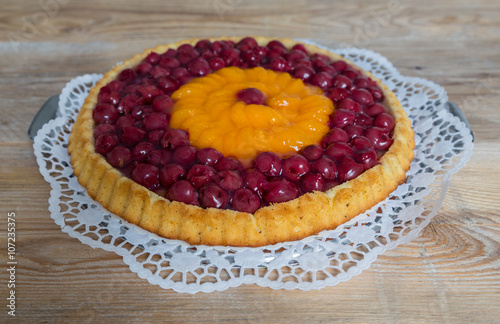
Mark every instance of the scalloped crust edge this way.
pixel 304 216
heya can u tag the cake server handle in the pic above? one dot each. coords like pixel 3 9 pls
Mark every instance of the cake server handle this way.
pixel 44 115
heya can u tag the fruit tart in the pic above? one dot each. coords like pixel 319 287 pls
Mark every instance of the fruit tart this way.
pixel 240 141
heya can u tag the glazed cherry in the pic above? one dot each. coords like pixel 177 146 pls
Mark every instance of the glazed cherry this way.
pixel 312 182
pixel 104 129
pixel 229 55
pixel 279 64
pixel 183 191
pixel 155 136
pixel 185 155
pixel 385 121
pixel 199 67
pixel 168 84
pixel 159 157
pixel 186 53
pixel 229 180
pixel 155 121
pixel 377 94
pixel 251 96
pixel 105 113
pixel 268 163
pixel 338 94
pixel 141 151
pixel 127 75
pixel 119 157
pixel 244 200
pixel 361 143
pixel 254 180
pixel 169 62
pixel 227 163
pixel 335 135
pixel 144 68
pixel 353 131
pixel 348 169
pixel 340 65
pixel 153 58
pixel 295 167
pixel 146 175
pixel 374 110
pixel 351 105
pixel 158 72
pixel 280 190
pixel 216 63
pixel 341 81
pixel 213 196
pixel 338 150
pixel 364 82
pixel 174 138
pixel 200 175
pixel 125 121
pixel 304 73
pixel 105 143
pixel 343 118
pixel 363 119
pixel 163 104
pixel 363 96
pixel 312 152
pixel 129 102
pixel 208 156
pixel 132 135
pixel 148 92
pixel 326 167
pixel 368 158
pixel 379 137
pixel 322 80
pixel 171 173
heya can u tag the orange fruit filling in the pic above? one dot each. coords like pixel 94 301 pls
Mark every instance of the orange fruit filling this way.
pixel 293 115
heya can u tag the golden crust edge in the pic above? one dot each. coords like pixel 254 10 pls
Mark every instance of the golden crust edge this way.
pixel 272 224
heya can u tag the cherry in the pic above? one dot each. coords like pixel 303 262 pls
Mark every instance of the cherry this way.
pixel 158 157
pixel 148 92
pixel 174 138
pixel 249 42
pixel 354 131
pixel 338 150
pixel 155 136
pixel 163 104
pixel 229 180
pixel 251 57
pixel 251 96
pixel 105 143
pixel 203 44
pixel 127 75
pixel 338 94
pixel 169 62
pixel 244 200
pixel 104 129
pixel 312 152
pixel 379 137
pixel 343 118
pixel 296 55
pixel 341 81
pixel 171 173
pixel 216 63
pixel 157 72
pixel 254 180
pixel 322 80
pixel 363 119
pixel 168 83
pixel 146 175
pixel 374 110
pixel 116 85
pixel 326 167
pixel 125 121
pixel 230 55
pixel 295 167
pixel 129 102
pixel 368 158
pixel 276 44
pixel 214 196
pixel 304 73
pixel 268 163
pixel 186 53
pixel 363 96
pixel 208 156
pixel 183 191
pixel 144 68
pixel 300 47
pixel 227 163
pixel 385 121
pixel 185 155
pixel 348 169
pixel 377 94
pixel 361 143
pixel 155 120
pixel 132 135
pixel 119 157
pixel 364 82
pixel 199 67
pixel 312 182
pixel 141 151
pixel 335 135
pixel 153 58
pixel 350 73
pixel 279 64
pixel 280 190
pixel 200 175
pixel 105 113
pixel 340 65
pixel 351 105
pixel 170 52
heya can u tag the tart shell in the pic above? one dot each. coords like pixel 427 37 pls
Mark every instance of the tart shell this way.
pixel 304 216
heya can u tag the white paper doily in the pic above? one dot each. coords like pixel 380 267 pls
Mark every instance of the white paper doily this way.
pixel 443 146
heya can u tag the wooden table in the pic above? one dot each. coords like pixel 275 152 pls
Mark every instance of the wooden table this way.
pixel 449 274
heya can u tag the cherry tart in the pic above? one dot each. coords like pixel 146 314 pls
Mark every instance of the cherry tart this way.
pixel 240 141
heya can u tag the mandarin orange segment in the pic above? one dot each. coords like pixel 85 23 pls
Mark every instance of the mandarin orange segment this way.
pixel 294 114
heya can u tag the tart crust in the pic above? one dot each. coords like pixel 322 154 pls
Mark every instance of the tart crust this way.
pixel 306 215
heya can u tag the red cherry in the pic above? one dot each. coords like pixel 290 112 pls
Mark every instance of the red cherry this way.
pixel 322 80
pixel 268 163
pixel 104 129
pixel 119 157
pixel 125 121
pixel 295 167
pixel 374 109
pixel 132 135
pixel 229 180
pixel 343 118
pixel 348 169
pixel 338 94
pixel 199 67
pixel 174 138
pixel 208 156
pixel 338 150
pixel 341 81
pixel 363 96
pixel 244 200
pixel 368 158
pixel 157 72
pixel 251 96
pixel 312 182
pixel 213 196
pixel 155 120
pixel 127 75
pixel 183 191
pixel 380 137
pixel 169 62
pixel 141 151
pixel 385 121
pixel 158 157
pixel 146 175
pixel 280 190
pixel 351 105
pixel 163 104
pixel 254 180
pixel 335 135
pixel 326 167
pixel 304 73
pixel 228 163
pixel 340 65
pixel 312 152
pixel 105 113
pixel 153 58
pixel 185 155
pixel 171 173
pixel 200 175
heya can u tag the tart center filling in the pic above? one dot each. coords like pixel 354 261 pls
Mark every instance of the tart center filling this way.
pixel 242 112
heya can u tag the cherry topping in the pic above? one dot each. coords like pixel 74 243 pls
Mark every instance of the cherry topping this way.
pixel 183 191
pixel 363 96
pixel 280 190
pixel 312 152
pixel 322 80
pixel 268 163
pixel 227 163
pixel 105 113
pixel 158 157
pixel 104 129
pixel 379 137
pixel 185 155
pixel 343 118
pixel 199 67
pixel 312 182
pixel 146 175
pixel 229 180
pixel 132 135
pixel 254 179
pixel 385 121
pixel 171 173
pixel 163 103
pixel 214 196
pixel 374 109
pixel 208 156
pixel 326 167
pixel 251 96
pixel 174 138
pixel 119 157
pixel 368 158
pixel 200 175
pixel 348 169
pixel 295 167
pixel 104 143
pixel 141 151
pixel 334 136
pixel 338 150
pixel 244 200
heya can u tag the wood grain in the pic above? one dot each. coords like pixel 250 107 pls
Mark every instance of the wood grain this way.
pixel 449 274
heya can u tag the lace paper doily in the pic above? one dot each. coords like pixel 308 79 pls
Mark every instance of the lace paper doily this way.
pixel 443 146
